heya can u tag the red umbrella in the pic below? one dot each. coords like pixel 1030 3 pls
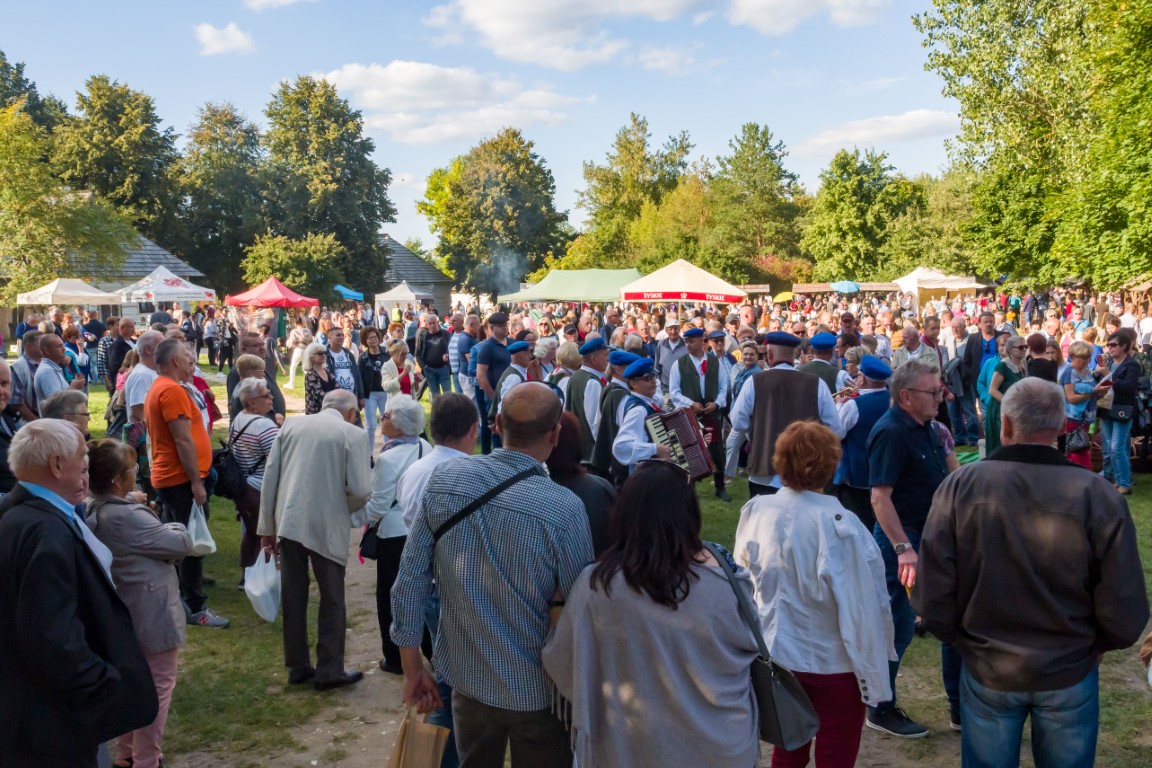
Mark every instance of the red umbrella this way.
pixel 271 293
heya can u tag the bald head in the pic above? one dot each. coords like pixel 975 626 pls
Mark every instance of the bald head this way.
pixel 146 346
pixel 529 418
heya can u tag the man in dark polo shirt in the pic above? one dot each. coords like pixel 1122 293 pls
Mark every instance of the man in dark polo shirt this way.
pixel 906 464
pixel 492 359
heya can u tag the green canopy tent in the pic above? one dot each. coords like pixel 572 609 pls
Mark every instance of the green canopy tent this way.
pixel 576 285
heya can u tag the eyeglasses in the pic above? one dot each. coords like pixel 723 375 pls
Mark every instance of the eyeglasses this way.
pixel 668 463
pixel 935 393
pixel 266 394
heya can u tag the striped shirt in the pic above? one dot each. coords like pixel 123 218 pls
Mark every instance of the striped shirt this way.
pixel 496 573
pixel 251 449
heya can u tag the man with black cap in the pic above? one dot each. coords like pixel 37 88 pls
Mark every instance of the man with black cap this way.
pixel 491 359
pixel 771 401
pixel 583 394
pixel 858 415
pixel 516 373
pixel 823 364
pixel 611 398
pixel 697 381
pixel 633 443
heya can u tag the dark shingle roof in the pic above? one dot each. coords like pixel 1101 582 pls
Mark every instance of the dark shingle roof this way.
pixel 139 261
pixel 405 265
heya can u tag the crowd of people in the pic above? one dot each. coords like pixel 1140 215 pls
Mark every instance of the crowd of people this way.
pixel 542 584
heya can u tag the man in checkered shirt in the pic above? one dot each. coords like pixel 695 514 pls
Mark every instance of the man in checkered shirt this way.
pixel 497 572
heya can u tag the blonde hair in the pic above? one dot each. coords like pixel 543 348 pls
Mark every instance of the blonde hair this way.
pixel 250 365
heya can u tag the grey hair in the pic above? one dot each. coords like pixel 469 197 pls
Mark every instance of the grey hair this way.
pixel 38 441
pixel 906 375
pixel 1033 406
pixel 147 343
pixel 248 389
pixel 339 400
pixel 312 349
pixel 62 403
pixel 406 414
pixel 633 342
pixel 544 346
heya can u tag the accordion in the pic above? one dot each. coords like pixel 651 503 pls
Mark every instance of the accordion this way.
pixel 680 432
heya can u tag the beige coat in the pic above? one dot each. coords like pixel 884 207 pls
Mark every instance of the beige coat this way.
pixel 390 375
pixel 316 476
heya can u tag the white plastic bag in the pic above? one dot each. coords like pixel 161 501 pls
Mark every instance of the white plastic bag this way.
pixel 262 585
pixel 202 541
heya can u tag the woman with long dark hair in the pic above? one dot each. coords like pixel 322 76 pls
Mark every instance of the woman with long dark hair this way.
pixel 650 654
pixel 565 467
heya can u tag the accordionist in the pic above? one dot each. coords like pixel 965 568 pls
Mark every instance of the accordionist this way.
pixel 633 443
pixel 697 382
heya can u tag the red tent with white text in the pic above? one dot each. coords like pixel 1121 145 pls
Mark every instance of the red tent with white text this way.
pixel 271 293
pixel 682 281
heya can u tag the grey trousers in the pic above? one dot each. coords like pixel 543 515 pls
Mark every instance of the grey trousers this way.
pixel 294 559
pixel 483 734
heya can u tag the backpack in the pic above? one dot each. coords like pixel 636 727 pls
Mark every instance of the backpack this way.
pixel 230 479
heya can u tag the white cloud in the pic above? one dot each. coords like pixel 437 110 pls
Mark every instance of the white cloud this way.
pixel 406 180
pixel 419 103
pixel 779 17
pixel 259 5
pixel 881 131
pixel 228 39
pixel 668 59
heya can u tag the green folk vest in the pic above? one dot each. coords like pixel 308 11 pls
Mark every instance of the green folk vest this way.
pixel 495 406
pixel 574 403
pixel 782 398
pixel 610 400
pixel 826 372
pixel 690 379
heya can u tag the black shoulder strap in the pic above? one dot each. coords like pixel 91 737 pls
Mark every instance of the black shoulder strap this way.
pixel 234 437
pixel 457 518
pixel 746 611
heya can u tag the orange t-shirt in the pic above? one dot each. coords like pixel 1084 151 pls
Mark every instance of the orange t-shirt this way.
pixel 167 401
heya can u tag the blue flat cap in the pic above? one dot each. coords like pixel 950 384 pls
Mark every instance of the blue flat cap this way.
pixel 641 367
pixel 782 339
pixel 518 346
pixel 693 333
pixel 824 341
pixel 595 345
pixel 620 357
pixel 875 368
pixel 716 335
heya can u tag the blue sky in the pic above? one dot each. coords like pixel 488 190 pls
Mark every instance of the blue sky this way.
pixel 435 77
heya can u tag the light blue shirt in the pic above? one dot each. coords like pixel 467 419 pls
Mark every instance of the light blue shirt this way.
pixel 53 498
pixel 102 553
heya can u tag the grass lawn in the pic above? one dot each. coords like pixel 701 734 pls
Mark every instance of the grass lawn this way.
pixel 233 701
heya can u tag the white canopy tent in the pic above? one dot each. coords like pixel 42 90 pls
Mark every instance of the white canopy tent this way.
pixel 402 295
pixel 682 281
pixel 163 288
pixel 927 283
pixel 68 291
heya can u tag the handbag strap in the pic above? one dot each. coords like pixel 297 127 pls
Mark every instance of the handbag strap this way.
pixel 457 518
pixel 746 611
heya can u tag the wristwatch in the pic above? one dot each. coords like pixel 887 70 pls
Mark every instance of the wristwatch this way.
pixel 901 548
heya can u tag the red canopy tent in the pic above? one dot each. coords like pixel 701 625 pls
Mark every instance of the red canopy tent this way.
pixel 271 293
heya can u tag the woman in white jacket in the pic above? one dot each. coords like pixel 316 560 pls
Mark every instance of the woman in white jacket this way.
pixel 402 425
pixel 820 592
pixel 398 374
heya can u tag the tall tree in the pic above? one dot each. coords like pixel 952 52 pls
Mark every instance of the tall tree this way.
pixel 633 174
pixel 308 266
pixel 46 111
pixel 115 147
pixel 495 214
pixel 45 231
pixel 322 179
pixel 221 179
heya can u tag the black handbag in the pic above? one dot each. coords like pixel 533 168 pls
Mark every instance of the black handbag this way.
pixel 1077 440
pixel 787 718
pixel 1121 413
pixel 370 542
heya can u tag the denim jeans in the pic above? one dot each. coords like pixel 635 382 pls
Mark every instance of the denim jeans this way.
pixel 962 413
pixel 373 407
pixel 1065 724
pixel 904 623
pixel 439 381
pixel 488 438
pixel 442 716
pixel 1116 449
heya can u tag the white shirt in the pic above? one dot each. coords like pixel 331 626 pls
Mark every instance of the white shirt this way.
pixel 384 505
pixel 342 362
pixel 741 415
pixel 679 399
pixel 511 381
pixel 633 443
pixel 410 487
pixel 136 386
pixel 592 398
pixel 818 580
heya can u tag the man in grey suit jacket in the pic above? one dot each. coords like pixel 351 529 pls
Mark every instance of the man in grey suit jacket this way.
pixel 316 476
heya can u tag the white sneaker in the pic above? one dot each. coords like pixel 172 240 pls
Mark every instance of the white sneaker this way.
pixel 208 618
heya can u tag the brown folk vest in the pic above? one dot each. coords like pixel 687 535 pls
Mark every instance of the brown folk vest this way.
pixel 782 397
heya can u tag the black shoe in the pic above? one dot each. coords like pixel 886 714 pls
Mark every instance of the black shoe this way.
pixel 919 628
pixel 392 669
pixel 895 723
pixel 301 676
pixel 208 581
pixel 722 494
pixel 348 678
pixel 954 721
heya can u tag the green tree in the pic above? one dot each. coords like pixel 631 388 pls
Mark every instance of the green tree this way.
pixel 116 148
pixel 633 174
pixel 322 178
pixel 308 265
pixel 494 212
pixel 45 231
pixel 46 111
pixel 220 175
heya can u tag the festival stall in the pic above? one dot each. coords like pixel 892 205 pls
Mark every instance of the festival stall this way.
pixel 576 285
pixel 926 284
pixel 160 290
pixel 681 281
pixel 403 296
pixel 68 292
pixel 258 306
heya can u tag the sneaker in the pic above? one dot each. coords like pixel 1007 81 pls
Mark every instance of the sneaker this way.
pixel 208 618
pixel 895 723
pixel 954 721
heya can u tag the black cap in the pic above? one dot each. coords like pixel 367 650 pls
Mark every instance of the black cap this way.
pixel 498 318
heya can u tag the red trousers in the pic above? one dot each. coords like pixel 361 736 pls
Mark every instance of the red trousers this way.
pixel 841 711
